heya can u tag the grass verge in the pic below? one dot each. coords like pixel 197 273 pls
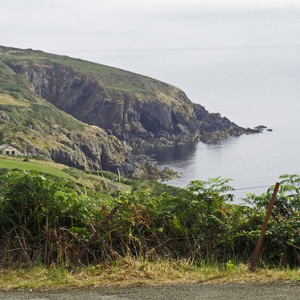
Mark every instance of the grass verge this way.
pixel 129 271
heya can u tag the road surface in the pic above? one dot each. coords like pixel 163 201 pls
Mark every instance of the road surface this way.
pixel 231 291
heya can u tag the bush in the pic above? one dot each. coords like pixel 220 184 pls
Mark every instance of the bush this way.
pixel 41 211
pixel 49 219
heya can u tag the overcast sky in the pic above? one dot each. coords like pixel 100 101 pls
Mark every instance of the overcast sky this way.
pixel 77 27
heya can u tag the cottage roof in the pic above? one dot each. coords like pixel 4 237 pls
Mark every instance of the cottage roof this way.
pixel 4 146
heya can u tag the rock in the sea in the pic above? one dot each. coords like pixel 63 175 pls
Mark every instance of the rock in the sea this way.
pixel 168 174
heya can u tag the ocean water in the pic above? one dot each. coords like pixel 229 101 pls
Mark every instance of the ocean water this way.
pixel 249 85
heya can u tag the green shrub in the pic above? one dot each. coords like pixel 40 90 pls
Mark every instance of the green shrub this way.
pixel 50 219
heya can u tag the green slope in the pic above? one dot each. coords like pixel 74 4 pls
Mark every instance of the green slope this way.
pixel 27 118
pixel 33 165
pixel 110 77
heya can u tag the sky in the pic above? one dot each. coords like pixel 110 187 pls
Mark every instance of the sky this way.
pixel 89 26
pixel 143 36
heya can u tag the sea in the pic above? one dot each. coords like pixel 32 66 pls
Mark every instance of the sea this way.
pixel 255 85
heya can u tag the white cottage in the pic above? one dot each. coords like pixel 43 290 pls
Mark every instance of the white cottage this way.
pixel 8 149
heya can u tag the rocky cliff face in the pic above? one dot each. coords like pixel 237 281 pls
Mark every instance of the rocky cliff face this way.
pixel 86 148
pixel 38 89
pixel 38 127
pixel 132 107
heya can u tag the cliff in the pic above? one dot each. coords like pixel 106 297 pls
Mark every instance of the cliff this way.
pixel 132 107
pixel 84 114
pixel 35 124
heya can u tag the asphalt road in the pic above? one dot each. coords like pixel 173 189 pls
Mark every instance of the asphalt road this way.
pixel 232 291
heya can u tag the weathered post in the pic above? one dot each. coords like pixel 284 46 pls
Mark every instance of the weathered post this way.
pixel 94 236
pixel 254 259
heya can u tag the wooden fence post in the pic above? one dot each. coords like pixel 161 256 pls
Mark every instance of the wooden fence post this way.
pixel 254 259
pixel 94 236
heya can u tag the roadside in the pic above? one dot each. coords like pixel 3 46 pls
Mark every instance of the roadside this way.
pixel 233 291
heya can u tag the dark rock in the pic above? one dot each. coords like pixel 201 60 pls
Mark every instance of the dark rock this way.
pixel 168 174
pixel 4 116
pixel 260 127
pixel 155 111
pixel 250 130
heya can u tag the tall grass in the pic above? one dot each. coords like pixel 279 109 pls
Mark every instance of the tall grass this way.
pixel 128 270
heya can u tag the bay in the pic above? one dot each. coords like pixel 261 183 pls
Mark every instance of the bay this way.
pixel 258 85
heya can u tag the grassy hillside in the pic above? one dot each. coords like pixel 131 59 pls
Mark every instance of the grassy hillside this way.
pixel 27 118
pixel 110 77
pixel 18 99
pixel 19 103
pixel 30 165
pixel 92 180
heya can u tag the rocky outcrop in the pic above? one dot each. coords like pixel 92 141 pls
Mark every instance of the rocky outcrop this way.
pixel 168 174
pixel 214 127
pixel 132 107
pixel 89 149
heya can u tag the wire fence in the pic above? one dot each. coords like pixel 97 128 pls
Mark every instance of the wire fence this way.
pixel 254 187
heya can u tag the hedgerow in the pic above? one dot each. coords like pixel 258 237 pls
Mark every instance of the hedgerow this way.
pixel 49 220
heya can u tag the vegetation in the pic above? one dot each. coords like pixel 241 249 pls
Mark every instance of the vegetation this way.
pixel 33 163
pixel 48 219
pixel 132 271
pixel 24 115
pixel 48 212
pixel 191 235
pixel 113 78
